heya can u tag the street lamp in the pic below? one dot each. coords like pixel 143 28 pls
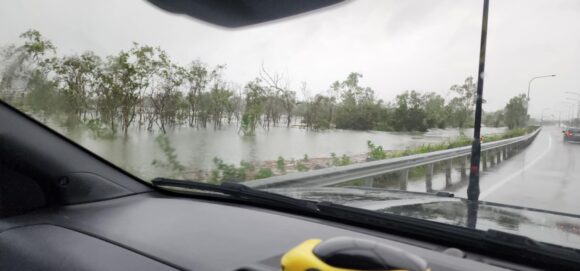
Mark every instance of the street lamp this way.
pixel 529 87
pixel 570 111
pixel 542 117
pixel 560 115
pixel 577 100
pixel 534 78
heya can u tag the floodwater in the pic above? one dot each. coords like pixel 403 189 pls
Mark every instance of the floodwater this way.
pixel 195 148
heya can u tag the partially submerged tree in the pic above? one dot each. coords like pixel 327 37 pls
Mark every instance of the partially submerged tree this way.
pixel 515 112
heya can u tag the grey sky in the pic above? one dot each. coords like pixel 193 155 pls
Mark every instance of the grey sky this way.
pixel 397 45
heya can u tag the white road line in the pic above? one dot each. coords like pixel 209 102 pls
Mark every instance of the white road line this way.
pixel 494 187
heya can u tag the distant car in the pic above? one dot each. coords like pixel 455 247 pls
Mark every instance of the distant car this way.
pixel 571 134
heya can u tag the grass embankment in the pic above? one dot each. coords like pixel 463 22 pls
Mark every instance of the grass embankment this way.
pixel 376 152
pixel 455 143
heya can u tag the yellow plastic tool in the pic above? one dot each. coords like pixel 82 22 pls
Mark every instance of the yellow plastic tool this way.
pixel 304 258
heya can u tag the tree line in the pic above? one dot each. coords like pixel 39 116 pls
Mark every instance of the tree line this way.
pixel 143 87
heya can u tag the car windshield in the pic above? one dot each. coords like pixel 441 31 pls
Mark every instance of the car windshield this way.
pixel 370 104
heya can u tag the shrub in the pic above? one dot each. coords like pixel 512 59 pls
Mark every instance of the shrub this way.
pixel 301 167
pixel 264 173
pixel 345 160
pixel 281 164
pixel 171 162
pixel 228 172
pixel 375 152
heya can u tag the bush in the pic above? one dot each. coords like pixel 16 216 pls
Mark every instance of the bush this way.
pixel 171 163
pixel 228 172
pixel 345 160
pixel 98 129
pixel 342 161
pixel 264 173
pixel 281 164
pixel 301 167
pixel 335 161
pixel 375 152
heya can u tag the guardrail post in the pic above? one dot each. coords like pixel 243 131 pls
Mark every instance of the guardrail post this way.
pixel 403 178
pixel 463 167
pixel 369 182
pixel 499 155
pixel 492 159
pixel 448 172
pixel 484 160
pixel 505 153
pixel 429 177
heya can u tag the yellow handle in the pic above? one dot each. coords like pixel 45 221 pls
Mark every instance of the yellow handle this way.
pixel 302 258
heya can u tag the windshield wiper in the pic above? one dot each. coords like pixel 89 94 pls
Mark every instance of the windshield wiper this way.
pixel 526 250
pixel 552 255
pixel 239 191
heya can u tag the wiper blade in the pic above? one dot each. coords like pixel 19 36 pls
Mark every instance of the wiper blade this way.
pixel 240 191
pixel 506 243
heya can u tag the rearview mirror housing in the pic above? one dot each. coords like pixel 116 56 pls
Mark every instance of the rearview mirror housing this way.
pixel 239 13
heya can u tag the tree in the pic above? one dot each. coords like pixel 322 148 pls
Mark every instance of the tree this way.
pixel 409 112
pixel 357 108
pixel 196 78
pixel 436 115
pixel 288 98
pixel 166 97
pixel 254 99
pixel 493 119
pixel 515 112
pixel 319 112
pixel 76 78
pixel 461 107
pixel 143 81
pixel 42 96
pixel 279 97
pixel 21 63
pixel 122 83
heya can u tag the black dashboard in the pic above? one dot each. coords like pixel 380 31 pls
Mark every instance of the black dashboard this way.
pixel 154 231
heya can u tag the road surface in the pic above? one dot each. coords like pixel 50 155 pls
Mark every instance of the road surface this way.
pixel 546 175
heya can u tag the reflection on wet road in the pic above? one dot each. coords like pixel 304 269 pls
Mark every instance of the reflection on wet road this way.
pixel 545 176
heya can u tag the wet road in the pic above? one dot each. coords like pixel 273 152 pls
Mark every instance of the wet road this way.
pixel 546 175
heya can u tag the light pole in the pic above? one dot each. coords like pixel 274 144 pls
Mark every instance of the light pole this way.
pixel 534 78
pixel 577 111
pixel 530 86
pixel 542 117
pixel 575 99
pixel 560 115
pixel 570 112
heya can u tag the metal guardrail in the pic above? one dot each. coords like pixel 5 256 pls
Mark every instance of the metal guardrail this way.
pixel 493 152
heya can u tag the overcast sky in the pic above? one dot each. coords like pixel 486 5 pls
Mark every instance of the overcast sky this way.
pixel 424 45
